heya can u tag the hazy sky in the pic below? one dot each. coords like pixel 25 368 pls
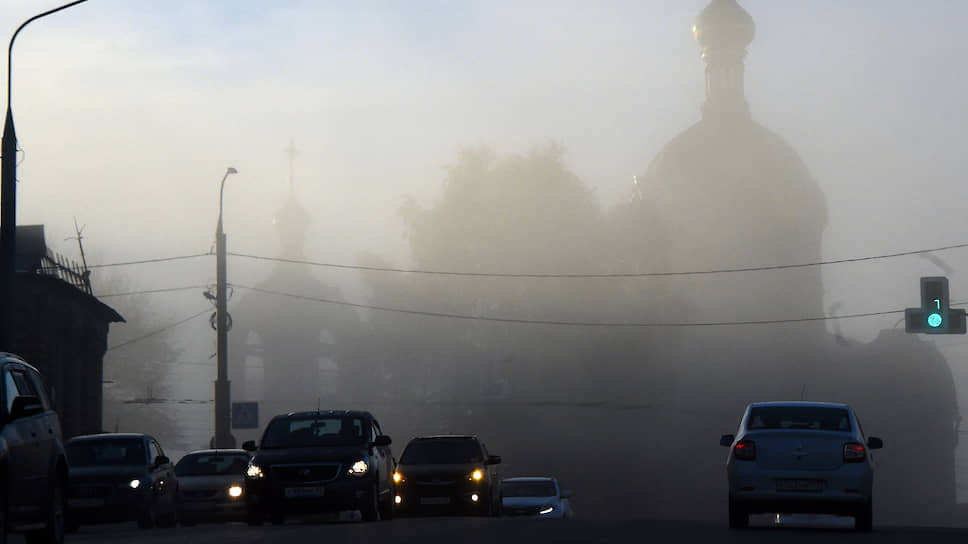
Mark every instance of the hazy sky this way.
pixel 130 111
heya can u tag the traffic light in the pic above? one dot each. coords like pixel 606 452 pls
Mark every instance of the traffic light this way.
pixel 934 316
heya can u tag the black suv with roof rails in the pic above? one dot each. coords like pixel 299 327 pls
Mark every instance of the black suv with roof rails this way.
pixel 452 474
pixel 33 467
pixel 316 462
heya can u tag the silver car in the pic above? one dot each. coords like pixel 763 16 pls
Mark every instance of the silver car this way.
pixel 211 485
pixel 800 457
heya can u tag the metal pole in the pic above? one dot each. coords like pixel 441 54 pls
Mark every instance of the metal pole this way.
pixel 223 387
pixel 8 202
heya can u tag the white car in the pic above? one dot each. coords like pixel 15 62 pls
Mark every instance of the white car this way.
pixel 800 457
pixel 535 497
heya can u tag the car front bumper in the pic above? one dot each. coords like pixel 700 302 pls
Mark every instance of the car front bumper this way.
pixel 342 494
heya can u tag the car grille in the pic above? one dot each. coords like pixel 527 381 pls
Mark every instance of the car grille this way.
pixel 305 473
pixel 199 493
pixel 90 491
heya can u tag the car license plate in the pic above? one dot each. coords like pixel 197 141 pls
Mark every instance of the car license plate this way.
pixel 435 500
pixel 799 485
pixel 304 492
pixel 85 503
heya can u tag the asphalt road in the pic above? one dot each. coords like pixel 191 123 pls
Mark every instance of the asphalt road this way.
pixel 508 531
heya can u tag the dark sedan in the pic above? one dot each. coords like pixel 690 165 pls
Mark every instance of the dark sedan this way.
pixel 118 477
pixel 210 485
pixel 447 474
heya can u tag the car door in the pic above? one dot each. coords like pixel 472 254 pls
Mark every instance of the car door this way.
pixel 162 475
pixel 19 448
pixel 48 432
pixel 383 459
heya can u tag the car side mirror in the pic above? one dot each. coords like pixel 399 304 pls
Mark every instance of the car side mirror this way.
pixel 493 460
pixel 726 440
pixel 25 406
pixel 162 460
pixel 382 440
pixel 249 445
pixel 566 494
pixel 875 443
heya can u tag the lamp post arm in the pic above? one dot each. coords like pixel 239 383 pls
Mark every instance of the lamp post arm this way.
pixel 21 27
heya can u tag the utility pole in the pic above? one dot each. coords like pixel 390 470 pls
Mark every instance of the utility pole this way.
pixel 223 387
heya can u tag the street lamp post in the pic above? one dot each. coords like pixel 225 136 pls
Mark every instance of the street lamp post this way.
pixel 223 387
pixel 8 202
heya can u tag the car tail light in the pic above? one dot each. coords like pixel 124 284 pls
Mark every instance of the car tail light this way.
pixel 854 452
pixel 745 450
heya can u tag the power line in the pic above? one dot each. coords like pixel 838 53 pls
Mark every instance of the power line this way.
pixel 602 275
pixel 576 323
pixel 149 261
pixel 152 291
pixel 159 331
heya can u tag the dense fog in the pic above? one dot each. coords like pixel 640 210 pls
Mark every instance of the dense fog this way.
pixel 536 212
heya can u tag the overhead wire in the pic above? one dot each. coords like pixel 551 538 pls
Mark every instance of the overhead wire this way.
pixel 617 324
pixel 594 275
pixel 159 331
pixel 535 275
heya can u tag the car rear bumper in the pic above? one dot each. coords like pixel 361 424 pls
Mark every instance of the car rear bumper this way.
pixel 835 491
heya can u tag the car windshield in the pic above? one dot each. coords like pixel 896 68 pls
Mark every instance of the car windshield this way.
pixel 529 489
pixel 211 464
pixel 312 431
pixel 816 418
pixel 441 451
pixel 106 451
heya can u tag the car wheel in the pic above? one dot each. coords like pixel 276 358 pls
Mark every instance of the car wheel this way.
pixel 370 510
pixel 3 511
pixel 386 507
pixel 146 520
pixel 864 518
pixel 739 518
pixel 254 517
pixel 277 515
pixel 169 520
pixel 53 533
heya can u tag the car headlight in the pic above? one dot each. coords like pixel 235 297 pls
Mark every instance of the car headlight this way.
pixel 477 475
pixel 254 471
pixel 397 477
pixel 359 468
pixel 546 510
pixel 235 491
pixel 134 484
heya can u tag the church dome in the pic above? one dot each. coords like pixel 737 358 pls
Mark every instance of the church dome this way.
pixel 724 24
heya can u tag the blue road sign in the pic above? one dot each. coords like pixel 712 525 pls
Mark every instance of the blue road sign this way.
pixel 245 415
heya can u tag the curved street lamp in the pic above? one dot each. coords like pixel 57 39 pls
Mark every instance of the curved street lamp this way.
pixel 8 201
pixel 223 387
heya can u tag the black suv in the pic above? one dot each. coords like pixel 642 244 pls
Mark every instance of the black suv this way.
pixel 447 474
pixel 324 461
pixel 120 477
pixel 33 467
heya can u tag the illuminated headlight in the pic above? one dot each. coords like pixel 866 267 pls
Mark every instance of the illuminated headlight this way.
pixel 359 468
pixel 398 499
pixel 134 484
pixel 397 477
pixel 477 475
pixel 546 510
pixel 254 471
pixel 475 497
pixel 235 491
